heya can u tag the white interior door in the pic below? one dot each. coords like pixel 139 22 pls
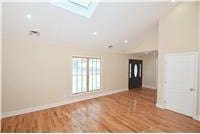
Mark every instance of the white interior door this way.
pixel 181 83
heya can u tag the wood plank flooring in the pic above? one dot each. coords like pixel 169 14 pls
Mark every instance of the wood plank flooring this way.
pixel 129 111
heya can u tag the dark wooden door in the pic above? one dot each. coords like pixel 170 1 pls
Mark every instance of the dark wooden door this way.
pixel 135 73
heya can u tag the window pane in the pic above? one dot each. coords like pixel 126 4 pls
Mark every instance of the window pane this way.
pixel 135 70
pixel 98 66
pixel 140 75
pixel 94 79
pixel 94 66
pixel 84 82
pixel 90 66
pixel 82 76
pixel 94 82
pixel 74 66
pixel 79 84
pixel 90 82
pixel 79 66
pixel 130 70
pixel 84 66
pixel 98 81
pixel 74 84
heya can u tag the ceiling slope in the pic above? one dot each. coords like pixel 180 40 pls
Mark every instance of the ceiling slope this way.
pixel 112 22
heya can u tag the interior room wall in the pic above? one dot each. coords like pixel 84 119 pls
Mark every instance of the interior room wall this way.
pixel 178 32
pixel 148 43
pixel 0 62
pixel 149 77
pixel 150 71
pixel 199 64
pixel 36 74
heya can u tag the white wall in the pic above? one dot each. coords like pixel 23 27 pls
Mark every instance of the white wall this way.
pixel 150 71
pixel 0 62
pixel 36 74
pixel 199 64
pixel 149 77
pixel 149 43
pixel 178 32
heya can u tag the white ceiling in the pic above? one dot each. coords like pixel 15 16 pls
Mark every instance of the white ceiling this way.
pixel 113 22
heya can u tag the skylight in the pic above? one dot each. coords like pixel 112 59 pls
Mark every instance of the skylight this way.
pixel 82 7
pixel 83 3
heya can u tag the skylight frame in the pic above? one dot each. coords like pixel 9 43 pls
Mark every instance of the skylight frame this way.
pixel 83 3
pixel 76 8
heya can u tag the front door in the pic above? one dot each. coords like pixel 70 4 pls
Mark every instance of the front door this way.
pixel 135 73
pixel 181 83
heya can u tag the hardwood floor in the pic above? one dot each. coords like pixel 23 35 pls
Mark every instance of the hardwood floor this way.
pixel 129 111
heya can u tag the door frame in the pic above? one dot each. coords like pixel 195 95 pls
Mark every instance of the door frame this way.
pixel 194 115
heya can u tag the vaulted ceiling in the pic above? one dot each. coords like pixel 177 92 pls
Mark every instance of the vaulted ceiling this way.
pixel 113 23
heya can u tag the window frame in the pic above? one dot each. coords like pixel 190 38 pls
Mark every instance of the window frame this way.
pixel 87 75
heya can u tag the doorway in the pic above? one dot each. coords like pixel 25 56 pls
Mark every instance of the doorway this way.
pixel 135 73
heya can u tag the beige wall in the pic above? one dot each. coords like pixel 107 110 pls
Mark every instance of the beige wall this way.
pixel 149 43
pixel 36 74
pixel 149 79
pixel 178 32
pixel 0 64
pixel 150 71
pixel 199 63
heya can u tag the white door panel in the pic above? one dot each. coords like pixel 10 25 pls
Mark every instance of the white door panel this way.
pixel 180 78
pixel 179 102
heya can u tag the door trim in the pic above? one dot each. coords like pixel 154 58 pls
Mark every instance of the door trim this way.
pixel 194 115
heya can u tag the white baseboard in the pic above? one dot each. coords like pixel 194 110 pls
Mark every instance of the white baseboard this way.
pixel 151 87
pixel 159 105
pixel 72 99
pixel 196 117
pixel 162 106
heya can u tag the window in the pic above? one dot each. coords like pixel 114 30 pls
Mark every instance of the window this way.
pixel 82 3
pixel 135 70
pixel 84 8
pixel 86 74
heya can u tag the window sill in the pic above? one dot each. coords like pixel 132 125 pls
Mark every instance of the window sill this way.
pixel 87 93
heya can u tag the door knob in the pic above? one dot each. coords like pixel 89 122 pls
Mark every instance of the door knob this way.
pixel 191 89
